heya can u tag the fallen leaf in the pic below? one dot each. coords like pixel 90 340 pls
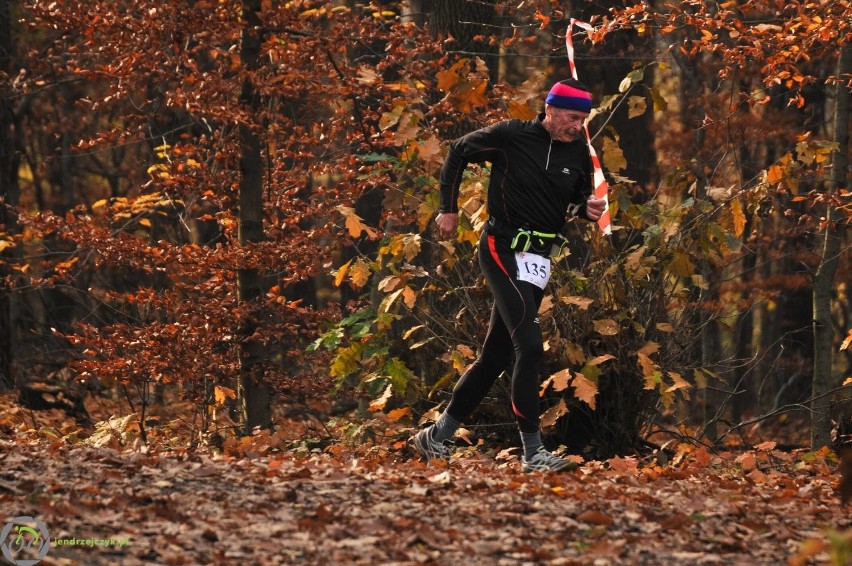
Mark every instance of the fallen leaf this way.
pixel 595 517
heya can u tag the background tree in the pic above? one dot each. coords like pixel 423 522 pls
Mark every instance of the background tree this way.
pixel 834 226
pixel 8 180
pixel 253 393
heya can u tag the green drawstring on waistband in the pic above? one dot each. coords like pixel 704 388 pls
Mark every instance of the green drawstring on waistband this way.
pixel 528 235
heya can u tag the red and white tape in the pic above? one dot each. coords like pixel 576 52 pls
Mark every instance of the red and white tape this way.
pixel 601 186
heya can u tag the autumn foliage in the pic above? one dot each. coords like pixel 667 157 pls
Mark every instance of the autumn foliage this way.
pixel 141 297
pixel 124 236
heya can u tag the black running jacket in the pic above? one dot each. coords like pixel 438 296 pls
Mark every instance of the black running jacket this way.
pixel 535 180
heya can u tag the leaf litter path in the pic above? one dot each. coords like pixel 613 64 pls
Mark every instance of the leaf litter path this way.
pixel 351 508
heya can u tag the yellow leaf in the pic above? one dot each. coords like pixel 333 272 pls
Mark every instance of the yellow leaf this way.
pixel 582 302
pixel 340 275
pixel 650 371
pixel 681 266
pixel 678 382
pixel 613 157
pixel 66 265
pixel 584 389
pixel 397 414
pixel 409 297
pixel 606 327
pixel 648 348
pixel 738 216
pixel 470 95
pixel 354 224
pixel 407 334
pixel 6 244
pixel 660 104
pixel 447 79
pixel 700 378
pixel 520 111
pixel 466 351
pixel 665 327
pixel 774 174
pixel 145 222
pixel 360 273
pixel 411 246
pixel 222 394
pixel 460 357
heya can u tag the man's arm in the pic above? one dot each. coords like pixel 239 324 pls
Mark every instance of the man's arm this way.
pixel 588 206
pixel 475 147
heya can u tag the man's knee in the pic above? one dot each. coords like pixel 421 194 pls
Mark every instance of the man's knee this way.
pixel 529 349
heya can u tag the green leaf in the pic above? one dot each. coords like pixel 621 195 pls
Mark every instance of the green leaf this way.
pixel 378 157
pixel 399 374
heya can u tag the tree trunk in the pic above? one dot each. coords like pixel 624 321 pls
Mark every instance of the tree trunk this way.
pixel 254 395
pixel 8 191
pixel 823 380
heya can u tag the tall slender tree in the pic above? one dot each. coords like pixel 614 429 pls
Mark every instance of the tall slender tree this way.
pixel 254 395
pixel 830 254
pixel 8 182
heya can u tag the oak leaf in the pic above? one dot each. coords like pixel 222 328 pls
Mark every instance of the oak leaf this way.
pixel 550 416
pixel 585 389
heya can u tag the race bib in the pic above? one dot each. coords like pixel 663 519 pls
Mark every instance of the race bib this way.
pixel 533 268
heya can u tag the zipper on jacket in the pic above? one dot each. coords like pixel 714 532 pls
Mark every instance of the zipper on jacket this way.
pixel 549 147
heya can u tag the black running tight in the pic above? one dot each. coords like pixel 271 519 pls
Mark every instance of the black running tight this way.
pixel 514 328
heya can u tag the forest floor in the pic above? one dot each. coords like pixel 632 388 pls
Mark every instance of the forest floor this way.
pixel 106 498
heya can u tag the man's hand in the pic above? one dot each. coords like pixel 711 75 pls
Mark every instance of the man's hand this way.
pixel 447 223
pixel 595 208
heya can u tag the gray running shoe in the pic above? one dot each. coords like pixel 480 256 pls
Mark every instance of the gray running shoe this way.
pixel 544 461
pixel 429 448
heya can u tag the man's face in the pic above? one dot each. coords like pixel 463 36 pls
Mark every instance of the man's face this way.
pixel 564 125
